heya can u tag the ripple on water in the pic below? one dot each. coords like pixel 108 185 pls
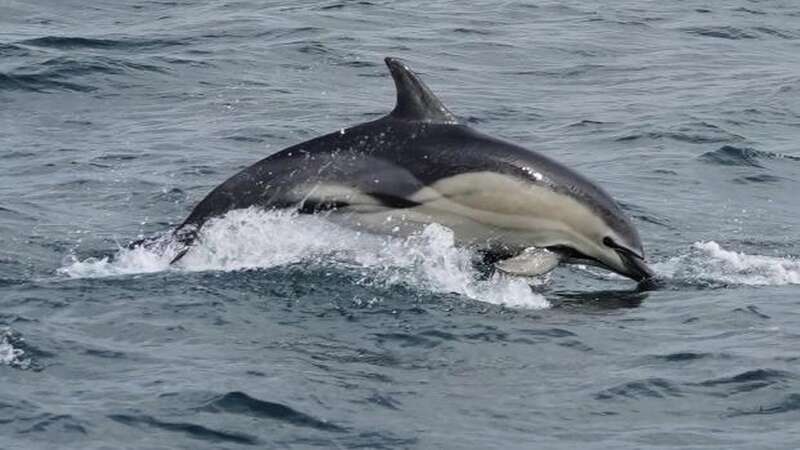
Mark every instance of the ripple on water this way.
pixel 13 50
pixel 697 132
pixel 59 425
pixel 758 179
pixel 70 73
pixel 788 404
pixel 191 430
pixel 721 32
pixel 749 11
pixel 730 155
pixel 646 388
pixel 241 403
pixel 685 357
pixel 748 381
pixel 39 82
pixel 76 42
pixel 407 340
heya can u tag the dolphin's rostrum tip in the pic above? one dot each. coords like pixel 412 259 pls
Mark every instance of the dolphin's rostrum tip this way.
pixel 391 60
pixel 396 64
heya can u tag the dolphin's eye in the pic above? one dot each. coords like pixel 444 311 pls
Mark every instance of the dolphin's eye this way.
pixel 608 242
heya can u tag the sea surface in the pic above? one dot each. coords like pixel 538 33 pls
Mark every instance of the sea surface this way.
pixel 290 332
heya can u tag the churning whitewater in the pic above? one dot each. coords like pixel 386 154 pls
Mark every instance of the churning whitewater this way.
pixel 257 239
pixel 430 259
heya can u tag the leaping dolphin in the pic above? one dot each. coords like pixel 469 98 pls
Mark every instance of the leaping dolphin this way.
pixel 420 165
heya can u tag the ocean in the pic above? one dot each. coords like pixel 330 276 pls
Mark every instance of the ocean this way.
pixel 290 332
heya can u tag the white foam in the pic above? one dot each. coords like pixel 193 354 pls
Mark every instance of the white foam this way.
pixel 250 239
pixel 709 261
pixel 125 262
pixel 9 354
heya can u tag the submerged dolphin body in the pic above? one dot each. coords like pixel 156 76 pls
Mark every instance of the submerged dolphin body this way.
pixel 420 165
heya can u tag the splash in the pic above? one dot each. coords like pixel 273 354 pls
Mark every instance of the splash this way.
pixel 254 239
pixel 10 353
pixel 708 261
pixel 125 262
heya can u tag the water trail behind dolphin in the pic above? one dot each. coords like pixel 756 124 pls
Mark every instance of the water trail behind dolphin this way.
pixel 255 239
pixel 709 263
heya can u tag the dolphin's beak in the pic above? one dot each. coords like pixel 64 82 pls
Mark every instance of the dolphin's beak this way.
pixel 636 267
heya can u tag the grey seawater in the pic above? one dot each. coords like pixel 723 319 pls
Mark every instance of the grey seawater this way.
pixel 288 332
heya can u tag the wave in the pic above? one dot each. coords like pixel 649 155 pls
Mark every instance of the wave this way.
pixel 650 387
pixel 749 11
pixel 757 179
pixel 737 33
pixel 722 32
pixel 733 156
pixel 750 380
pixel 708 262
pixel 743 383
pixel 685 356
pixel 191 430
pixel 241 403
pixel 9 50
pixel 39 83
pixel 342 5
pixel 692 133
pixel 60 73
pixel 709 265
pixel 12 352
pixel 789 404
pixel 253 239
pixel 729 155
pixel 70 42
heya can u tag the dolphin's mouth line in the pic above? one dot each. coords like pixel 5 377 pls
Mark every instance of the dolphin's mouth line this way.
pixel 633 261
pixel 640 271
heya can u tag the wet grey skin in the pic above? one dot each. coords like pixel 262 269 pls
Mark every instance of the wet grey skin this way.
pixel 420 165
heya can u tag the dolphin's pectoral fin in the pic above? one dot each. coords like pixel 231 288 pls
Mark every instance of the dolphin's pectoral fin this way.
pixel 530 263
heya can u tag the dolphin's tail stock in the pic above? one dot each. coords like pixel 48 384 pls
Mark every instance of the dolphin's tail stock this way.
pixel 181 238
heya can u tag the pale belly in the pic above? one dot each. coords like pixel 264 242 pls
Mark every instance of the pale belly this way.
pixel 483 209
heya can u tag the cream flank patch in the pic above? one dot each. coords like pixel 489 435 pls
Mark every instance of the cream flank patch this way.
pixel 481 208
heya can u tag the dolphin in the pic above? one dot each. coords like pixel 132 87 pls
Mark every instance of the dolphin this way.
pixel 420 165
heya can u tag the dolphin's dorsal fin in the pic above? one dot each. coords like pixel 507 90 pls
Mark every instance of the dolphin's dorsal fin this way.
pixel 414 100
